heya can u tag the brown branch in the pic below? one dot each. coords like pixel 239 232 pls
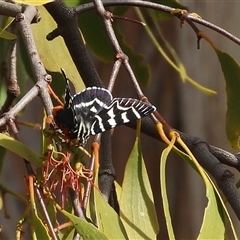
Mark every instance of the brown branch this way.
pixel 13 90
pixel 9 9
pixel 150 5
pixel 39 72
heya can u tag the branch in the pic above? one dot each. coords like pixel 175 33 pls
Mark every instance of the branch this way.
pixel 39 72
pixel 68 28
pixel 150 5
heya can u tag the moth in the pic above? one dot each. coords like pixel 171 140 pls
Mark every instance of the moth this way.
pixel 94 110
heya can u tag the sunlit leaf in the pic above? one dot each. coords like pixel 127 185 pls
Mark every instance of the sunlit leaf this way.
pixel 166 211
pixel 213 222
pixel 231 71
pixel 87 230
pixel 212 225
pixel 108 220
pixel 20 149
pixel 39 229
pixel 136 203
pixel 33 2
pixel 176 64
pixel 54 54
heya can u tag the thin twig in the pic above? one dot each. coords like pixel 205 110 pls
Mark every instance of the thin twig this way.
pixel 39 72
pixel 150 5
pixel 13 90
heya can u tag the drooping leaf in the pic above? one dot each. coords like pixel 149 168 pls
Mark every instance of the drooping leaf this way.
pixel 39 229
pixel 87 230
pixel 54 54
pixel 231 71
pixel 136 203
pixel 20 149
pixel 213 222
pixel 166 211
pixel 175 63
pixel 108 220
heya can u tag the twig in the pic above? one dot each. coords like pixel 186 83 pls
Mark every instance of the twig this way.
pixel 9 9
pixel 45 213
pixel 13 89
pixel 150 5
pixel 39 72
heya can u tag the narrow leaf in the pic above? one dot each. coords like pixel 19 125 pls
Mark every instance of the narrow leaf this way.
pixel 176 65
pixel 166 211
pixel 39 229
pixel 87 230
pixel 20 149
pixel 213 224
pixel 108 220
pixel 136 203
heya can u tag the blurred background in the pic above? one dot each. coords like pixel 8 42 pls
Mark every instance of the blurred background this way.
pixel 182 105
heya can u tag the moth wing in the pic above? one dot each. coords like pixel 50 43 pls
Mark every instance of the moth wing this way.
pixel 118 112
pixel 90 102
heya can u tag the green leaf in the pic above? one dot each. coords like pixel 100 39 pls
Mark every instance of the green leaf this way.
pixel 72 3
pixel 33 2
pixel 213 214
pixel 108 220
pixel 175 63
pixel 231 71
pixel 95 35
pixel 87 230
pixel 141 70
pixel 213 224
pixel 54 54
pixel 166 211
pixel 20 149
pixel 136 203
pixel 7 35
pixel 39 229
pixel 6 21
